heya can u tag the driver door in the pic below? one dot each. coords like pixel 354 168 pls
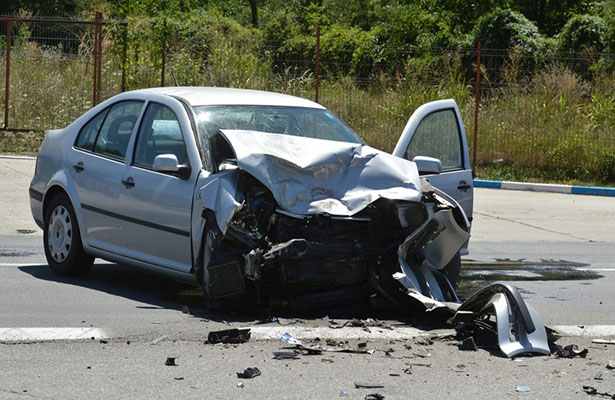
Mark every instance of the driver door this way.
pixel 436 130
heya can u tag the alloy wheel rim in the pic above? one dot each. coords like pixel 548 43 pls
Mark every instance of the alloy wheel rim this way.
pixel 60 234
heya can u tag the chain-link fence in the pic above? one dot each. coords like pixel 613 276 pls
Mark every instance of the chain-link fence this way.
pixel 553 112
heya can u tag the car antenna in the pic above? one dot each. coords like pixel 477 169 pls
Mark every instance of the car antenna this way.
pixel 173 75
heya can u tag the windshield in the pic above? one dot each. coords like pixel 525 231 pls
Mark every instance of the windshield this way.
pixel 297 121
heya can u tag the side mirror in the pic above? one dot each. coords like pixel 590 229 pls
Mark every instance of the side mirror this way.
pixel 427 165
pixel 169 163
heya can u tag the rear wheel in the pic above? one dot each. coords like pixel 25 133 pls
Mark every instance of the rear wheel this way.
pixel 62 239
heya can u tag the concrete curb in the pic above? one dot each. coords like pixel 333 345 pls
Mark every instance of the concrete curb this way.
pixel 545 187
pixel 7 157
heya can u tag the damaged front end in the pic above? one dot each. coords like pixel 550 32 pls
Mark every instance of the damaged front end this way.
pixel 285 222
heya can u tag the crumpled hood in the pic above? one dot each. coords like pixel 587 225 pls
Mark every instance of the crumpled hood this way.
pixel 313 176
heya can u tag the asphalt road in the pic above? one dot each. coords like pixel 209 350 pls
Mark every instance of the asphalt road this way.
pixel 144 319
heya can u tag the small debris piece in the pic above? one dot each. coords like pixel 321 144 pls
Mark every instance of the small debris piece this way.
pixel 362 345
pixel 240 385
pixel 374 396
pixel 159 339
pixel 392 374
pixel 285 355
pixel 25 231
pixel 232 336
pixel 327 360
pixel 179 378
pixel 102 341
pixel 414 364
pixel 332 342
pixel 594 392
pixel 570 351
pixel 344 394
pixel 468 344
pixel 368 385
pixel 603 341
pixel 408 371
pixel 522 389
pixel 598 376
pixel 185 309
pixel 249 373
pixel 170 362
pixel 610 364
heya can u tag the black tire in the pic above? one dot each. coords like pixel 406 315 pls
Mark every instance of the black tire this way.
pixel 452 271
pixel 62 239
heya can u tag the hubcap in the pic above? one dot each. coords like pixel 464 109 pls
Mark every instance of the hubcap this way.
pixel 59 234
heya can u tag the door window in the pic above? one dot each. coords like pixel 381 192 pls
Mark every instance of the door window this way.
pixel 159 134
pixel 438 136
pixel 87 134
pixel 116 130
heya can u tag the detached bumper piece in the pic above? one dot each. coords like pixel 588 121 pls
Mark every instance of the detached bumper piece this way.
pixel 519 329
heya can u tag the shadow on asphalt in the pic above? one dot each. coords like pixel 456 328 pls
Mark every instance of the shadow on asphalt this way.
pixel 160 292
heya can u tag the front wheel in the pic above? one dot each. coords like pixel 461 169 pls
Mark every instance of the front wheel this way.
pixel 452 270
pixel 62 240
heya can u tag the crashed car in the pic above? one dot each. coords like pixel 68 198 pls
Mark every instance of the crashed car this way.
pixel 260 196
pixel 252 195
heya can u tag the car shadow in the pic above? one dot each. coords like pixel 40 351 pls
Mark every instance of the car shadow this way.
pixel 160 292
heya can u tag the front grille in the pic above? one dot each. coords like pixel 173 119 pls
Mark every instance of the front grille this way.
pixel 227 279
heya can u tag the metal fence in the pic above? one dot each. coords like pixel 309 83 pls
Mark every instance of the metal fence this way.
pixel 551 111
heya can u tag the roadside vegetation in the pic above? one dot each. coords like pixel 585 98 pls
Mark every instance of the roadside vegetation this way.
pixel 547 106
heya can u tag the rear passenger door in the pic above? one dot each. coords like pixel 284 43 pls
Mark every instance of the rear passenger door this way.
pixel 159 203
pixel 436 130
pixel 97 166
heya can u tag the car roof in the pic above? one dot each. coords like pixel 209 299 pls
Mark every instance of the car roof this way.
pixel 203 96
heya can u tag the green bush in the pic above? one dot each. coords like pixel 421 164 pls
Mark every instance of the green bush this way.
pixel 507 29
pixel 583 31
pixel 606 166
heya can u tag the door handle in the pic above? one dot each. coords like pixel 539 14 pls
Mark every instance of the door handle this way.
pixel 128 182
pixel 79 167
pixel 463 186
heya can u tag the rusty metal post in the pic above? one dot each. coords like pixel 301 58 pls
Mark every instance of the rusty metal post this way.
pixel 7 81
pixel 95 80
pixel 99 69
pixel 476 104
pixel 163 45
pixel 317 81
pixel 124 50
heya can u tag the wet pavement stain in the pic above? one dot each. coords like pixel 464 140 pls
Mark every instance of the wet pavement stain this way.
pixel 475 275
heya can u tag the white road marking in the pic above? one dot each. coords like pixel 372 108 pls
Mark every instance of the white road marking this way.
pixel 23 264
pixel 47 334
pixel 585 330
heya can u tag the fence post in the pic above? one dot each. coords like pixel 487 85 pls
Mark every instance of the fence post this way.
pixel 97 48
pixel 7 81
pixel 476 103
pixel 124 50
pixel 163 45
pixel 317 81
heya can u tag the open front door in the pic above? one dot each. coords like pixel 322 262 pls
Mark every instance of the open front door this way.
pixel 436 130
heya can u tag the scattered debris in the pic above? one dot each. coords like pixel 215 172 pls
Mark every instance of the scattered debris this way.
pixel 159 339
pixel 414 364
pixel 316 350
pixel 569 351
pixel 603 341
pixel 523 389
pixel 374 396
pixel 285 355
pixel 368 385
pixel 610 364
pixel 249 373
pixel 170 362
pixel 594 392
pixel 232 336
pixel 468 344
